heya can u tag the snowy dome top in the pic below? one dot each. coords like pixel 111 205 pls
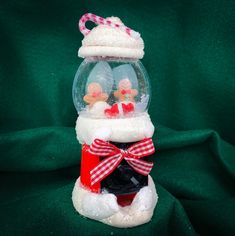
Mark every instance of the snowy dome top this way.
pixel 111 38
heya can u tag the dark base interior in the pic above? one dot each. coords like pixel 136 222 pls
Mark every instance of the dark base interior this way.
pixel 124 179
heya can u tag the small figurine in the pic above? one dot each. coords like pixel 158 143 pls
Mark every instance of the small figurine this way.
pixel 95 94
pixel 98 88
pixel 125 91
pixel 124 76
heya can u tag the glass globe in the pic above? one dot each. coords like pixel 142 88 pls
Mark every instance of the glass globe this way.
pixel 111 88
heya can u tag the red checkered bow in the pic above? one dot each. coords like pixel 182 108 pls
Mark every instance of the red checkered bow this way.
pixel 115 155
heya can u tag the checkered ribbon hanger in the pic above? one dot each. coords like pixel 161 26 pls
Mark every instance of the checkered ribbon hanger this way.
pixel 102 21
pixel 113 157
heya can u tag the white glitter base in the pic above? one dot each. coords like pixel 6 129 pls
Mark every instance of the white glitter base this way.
pixel 104 207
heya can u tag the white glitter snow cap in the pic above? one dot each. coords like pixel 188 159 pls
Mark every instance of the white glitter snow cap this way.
pixel 110 38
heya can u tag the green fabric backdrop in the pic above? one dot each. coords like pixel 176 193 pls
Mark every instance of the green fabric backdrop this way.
pixel 189 54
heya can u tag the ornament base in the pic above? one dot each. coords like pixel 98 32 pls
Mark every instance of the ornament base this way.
pixel 104 207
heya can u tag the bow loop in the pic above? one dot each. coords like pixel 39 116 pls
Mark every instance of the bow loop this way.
pixel 142 149
pixel 102 148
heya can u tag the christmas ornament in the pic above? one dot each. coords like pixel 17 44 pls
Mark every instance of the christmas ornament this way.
pixel 111 93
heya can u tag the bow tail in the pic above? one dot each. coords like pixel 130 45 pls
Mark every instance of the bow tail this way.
pixel 140 166
pixel 106 167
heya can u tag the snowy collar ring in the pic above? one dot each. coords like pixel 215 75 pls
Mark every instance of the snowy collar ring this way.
pixel 101 21
pixel 115 155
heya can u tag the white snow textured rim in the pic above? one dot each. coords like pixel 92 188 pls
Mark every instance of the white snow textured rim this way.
pixel 124 130
pixel 106 51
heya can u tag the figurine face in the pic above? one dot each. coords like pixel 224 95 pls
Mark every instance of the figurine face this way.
pixel 94 89
pixel 125 84
pixel 111 89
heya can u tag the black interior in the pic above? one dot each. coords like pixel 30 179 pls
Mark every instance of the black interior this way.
pixel 124 179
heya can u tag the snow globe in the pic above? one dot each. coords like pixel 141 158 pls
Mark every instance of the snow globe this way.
pixel 111 93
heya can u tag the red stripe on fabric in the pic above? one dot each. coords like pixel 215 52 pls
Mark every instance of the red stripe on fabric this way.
pixel 139 170
pixel 141 144
pixel 144 147
pixel 102 147
pixel 140 162
pixel 141 165
pixel 108 167
pixel 100 173
pixel 105 171
pixel 104 162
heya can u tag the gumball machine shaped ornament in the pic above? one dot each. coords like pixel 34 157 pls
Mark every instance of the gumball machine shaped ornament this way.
pixel 111 93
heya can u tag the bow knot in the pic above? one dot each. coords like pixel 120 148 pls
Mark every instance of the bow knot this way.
pixel 124 153
pixel 113 157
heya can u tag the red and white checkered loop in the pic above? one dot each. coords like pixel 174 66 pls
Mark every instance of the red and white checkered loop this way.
pixel 101 21
pixel 113 157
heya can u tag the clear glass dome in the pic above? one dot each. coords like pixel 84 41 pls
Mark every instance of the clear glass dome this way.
pixel 111 88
